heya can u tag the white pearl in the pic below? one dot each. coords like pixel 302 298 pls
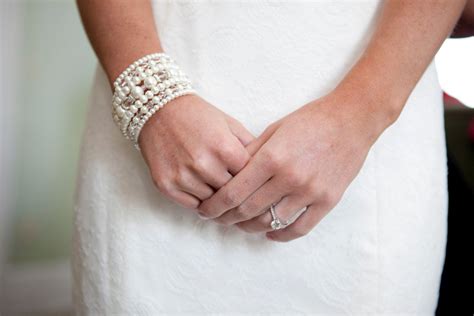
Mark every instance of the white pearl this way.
pixel 155 89
pixel 126 90
pixel 133 109
pixel 121 95
pixel 136 80
pixel 144 110
pixel 149 94
pixel 149 72
pixel 120 112
pixel 143 98
pixel 150 82
pixel 135 120
pixel 156 100
pixel 138 104
pixel 137 92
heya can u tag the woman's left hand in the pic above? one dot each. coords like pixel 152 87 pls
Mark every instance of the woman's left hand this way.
pixel 307 158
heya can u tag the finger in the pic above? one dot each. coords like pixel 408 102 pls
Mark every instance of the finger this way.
pixel 242 134
pixel 213 172
pixel 183 198
pixel 191 183
pixel 242 185
pixel 255 145
pixel 287 209
pixel 257 203
pixel 237 190
pixel 235 157
pixel 301 226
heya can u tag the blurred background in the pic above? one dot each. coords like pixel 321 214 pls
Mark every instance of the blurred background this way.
pixel 46 69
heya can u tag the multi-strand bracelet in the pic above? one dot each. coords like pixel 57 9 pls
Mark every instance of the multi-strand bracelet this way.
pixel 143 88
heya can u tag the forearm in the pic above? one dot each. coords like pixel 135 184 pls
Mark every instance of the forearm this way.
pixel 407 36
pixel 120 32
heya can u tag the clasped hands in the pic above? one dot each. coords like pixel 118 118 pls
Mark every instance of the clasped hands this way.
pixel 207 161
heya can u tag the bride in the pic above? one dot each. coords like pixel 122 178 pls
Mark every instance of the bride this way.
pixel 291 158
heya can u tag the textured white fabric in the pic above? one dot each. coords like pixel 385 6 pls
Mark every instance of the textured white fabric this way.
pixel 379 251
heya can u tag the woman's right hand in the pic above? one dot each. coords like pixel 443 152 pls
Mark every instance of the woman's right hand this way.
pixel 192 149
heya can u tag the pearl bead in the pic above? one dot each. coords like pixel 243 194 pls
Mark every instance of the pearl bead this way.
pixel 136 80
pixel 155 89
pixel 143 98
pixel 137 92
pixel 156 100
pixel 149 94
pixel 138 104
pixel 120 112
pixel 133 109
pixel 150 82
pixel 144 110
pixel 126 90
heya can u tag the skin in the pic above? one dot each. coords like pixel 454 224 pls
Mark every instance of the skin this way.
pixel 311 156
pixel 191 147
pixel 195 152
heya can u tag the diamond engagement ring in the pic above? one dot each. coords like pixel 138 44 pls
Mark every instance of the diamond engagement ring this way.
pixel 276 222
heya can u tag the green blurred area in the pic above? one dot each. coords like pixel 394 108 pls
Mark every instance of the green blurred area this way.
pixel 57 66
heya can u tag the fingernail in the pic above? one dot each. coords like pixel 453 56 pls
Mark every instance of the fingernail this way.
pixel 270 236
pixel 202 215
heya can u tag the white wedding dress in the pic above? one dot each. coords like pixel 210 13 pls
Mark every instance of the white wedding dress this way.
pixel 379 251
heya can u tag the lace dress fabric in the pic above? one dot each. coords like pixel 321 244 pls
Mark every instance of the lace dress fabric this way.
pixel 379 251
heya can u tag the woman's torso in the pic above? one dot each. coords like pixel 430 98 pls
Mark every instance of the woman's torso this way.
pixel 136 251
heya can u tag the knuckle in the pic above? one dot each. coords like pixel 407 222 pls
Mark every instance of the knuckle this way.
pixel 162 184
pixel 230 198
pixel 271 160
pixel 243 210
pixel 241 157
pixel 294 177
pixel 227 150
pixel 312 188
pixel 329 197
pixel 200 162
pixel 180 177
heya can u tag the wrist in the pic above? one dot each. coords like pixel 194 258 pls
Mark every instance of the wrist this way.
pixel 115 64
pixel 369 101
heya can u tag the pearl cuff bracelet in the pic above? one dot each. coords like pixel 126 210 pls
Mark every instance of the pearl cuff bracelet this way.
pixel 143 88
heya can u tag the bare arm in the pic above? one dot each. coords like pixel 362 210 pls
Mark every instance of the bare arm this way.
pixel 407 37
pixel 120 31
pixel 313 154
pixel 190 146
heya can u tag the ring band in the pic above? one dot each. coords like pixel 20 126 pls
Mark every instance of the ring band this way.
pixel 276 222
